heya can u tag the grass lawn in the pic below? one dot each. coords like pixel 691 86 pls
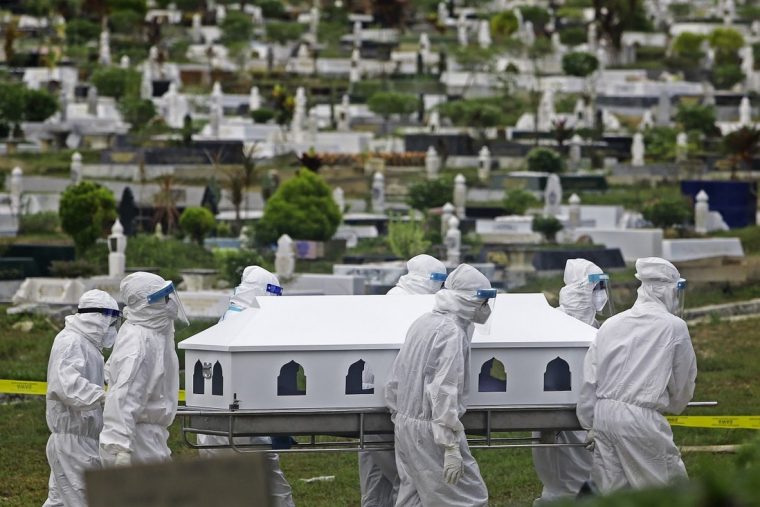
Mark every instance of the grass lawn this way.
pixel 727 355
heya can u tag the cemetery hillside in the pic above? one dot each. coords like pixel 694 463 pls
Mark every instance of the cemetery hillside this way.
pixel 572 186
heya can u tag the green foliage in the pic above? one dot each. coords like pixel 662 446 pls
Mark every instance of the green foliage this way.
pixel 503 24
pixel 284 31
pixel 427 194
pixel 169 255
pixel 579 64
pixel 697 117
pixel 116 82
pixel 18 104
pixel 726 76
pixel 667 213
pixel 237 27
pixel 125 21
pixel 73 269
pixel 517 201
pixel 660 143
pixel 231 263
pixel 725 41
pixel 536 15
pixel 137 6
pixel 197 222
pixel 262 115
pixel 548 225
pixel 386 104
pixel 46 222
pixel 545 160
pixel 137 112
pixel 87 211
pixel 572 35
pixel 407 239
pixel 688 45
pixel 39 105
pixel 303 208
pixel 271 9
pixel 483 112
pixel 81 31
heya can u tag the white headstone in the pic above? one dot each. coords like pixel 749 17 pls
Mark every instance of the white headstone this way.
pixel 574 211
pixel 254 99
pixel 175 107
pixel 453 242
pixel 196 32
pixel 16 189
pixel 682 147
pixel 576 143
pixel 460 195
pixel 124 62
pixel 602 58
pixel 443 13
pixel 357 34
pixel 729 12
pixel 701 212
pixel 104 50
pixel 591 37
pixel 484 34
pixel 546 111
pixel 484 164
pixel 647 120
pixel 378 193
pixel 432 163
pixel 424 44
pixel 221 14
pixel 434 121
pixel 462 36
pixel 529 37
pixel 92 100
pixel 117 246
pixel 339 198
pixel 217 109
pixel 285 258
pixel 314 22
pixel 745 112
pixel 637 150
pixel 146 84
pixel 344 114
pixel 299 114
pixel 75 168
pixel 447 212
pixel 663 109
pixel 553 196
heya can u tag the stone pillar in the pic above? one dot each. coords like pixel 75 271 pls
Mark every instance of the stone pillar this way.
pixel 92 101
pixel 453 242
pixel 76 168
pixel 484 34
pixel 460 195
pixel 378 193
pixel 576 153
pixel 339 198
pixel 638 150
pixel 124 62
pixel 254 99
pixel 484 164
pixel 117 246
pixel 553 195
pixel 16 188
pixel 701 212
pixel 745 112
pixel 285 258
pixel 104 50
pixel 682 147
pixel 196 33
pixel 447 212
pixel 432 163
pixel 574 213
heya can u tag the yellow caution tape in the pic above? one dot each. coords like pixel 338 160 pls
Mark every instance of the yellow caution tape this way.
pixel 38 388
pixel 747 422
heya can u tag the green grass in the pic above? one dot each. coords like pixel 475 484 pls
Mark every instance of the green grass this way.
pixel 726 352
pixel 632 197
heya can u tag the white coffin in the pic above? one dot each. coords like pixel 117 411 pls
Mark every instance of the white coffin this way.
pixel 326 335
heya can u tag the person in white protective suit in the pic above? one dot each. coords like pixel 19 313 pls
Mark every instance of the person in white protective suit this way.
pixel 378 476
pixel 427 396
pixel 564 470
pixel 640 365
pixel 74 397
pixel 255 282
pixel 142 374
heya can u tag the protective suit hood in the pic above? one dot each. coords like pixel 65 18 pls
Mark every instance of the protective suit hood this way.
pixel 575 298
pixel 458 294
pixel 135 289
pixel 658 283
pixel 92 326
pixel 253 284
pixel 417 280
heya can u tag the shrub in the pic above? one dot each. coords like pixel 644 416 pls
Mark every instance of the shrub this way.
pixel 517 201
pixel 407 239
pixel 283 31
pixel 660 143
pixel 236 27
pixel 168 255
pixel 116 82
pixel 197 222
pixel 726 41
pixel 39 105
pixel 80 31
pixel 46 222
pixel 137 112
pixel 425 194
pixel 572 35
pixel 666 213
pixel 579 64
pixel 545 160
pixel 503 24
pixel 536 15
pixel 727 75
pixel 262 115
pixel 689 45
pixel 549 226
pixel 87 212
pixel 231 263
pixel 125 21
pixel 697 117
pixel 303 208
pixel 72 269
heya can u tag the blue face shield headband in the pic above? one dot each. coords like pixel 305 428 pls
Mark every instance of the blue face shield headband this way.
pixel 165 294
pixel 275 290
pixel 115 315
pixel 601 296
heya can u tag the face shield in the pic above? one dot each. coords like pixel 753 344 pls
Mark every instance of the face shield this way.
pixel 601 296
pixel 114 315
pixel 680 296
pixel 487 299
pixel 168 296
pixel 437 278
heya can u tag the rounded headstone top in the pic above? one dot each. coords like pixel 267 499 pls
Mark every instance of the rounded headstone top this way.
pixel 378 176
pixel 285 241
pixel 576 139
pixel 117 228
pixel 449 208
pixel 460 179
pixel 431 151
pixel 702 196
pixel 17 172
pixel 574 199
pixel 76 157
pixel 484 151
pixel 453 222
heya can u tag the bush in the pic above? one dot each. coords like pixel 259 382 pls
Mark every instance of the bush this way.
pixel 125 21
pixel 80 31
pixel 667 213
pixel 72 269
pixel 517 201
pixel 572 35
pixel 168 255
pixel 660 143
pixel 425 194
pixel 579 64
pixel 697 117
pixel 46 222
pixel 262 115
pixel 549 226
pixel 283 31
pixel 116 82
pixel 536 15
pixel 503 24
pixel 231 263
pixel 303 208
pixel 87 212
pixel 688 45
pixel 545 160
pixel 137 112
pixel 726 42
pixel 407 239
pixel 39 105
pixel 236 27
pixel 726 76
pixel 197 222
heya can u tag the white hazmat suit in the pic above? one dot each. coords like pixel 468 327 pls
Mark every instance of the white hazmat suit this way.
pixel 74 395
pixel 427 396
pixel 255 282
pixel 563 470
pixel 640 365
pixel 378 476
pixel 143 377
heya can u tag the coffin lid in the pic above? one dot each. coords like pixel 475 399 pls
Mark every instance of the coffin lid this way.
pixel 380 322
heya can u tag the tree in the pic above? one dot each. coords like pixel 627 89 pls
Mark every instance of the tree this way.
pixel 116 82
pixel 81 31
pixel 236 187
pixel 165 203
pixel 741 146
pixel 616 16
pixel 697 117
pixel 12 98
pixel 572 35
pixel 197 222
pixel 387 104
pixel 548 225
pixel 236 27
pixel 39 105
pixel 87 211
pixel 137 112
pixel 579 64
pixel 688 45
pixel 303 208
pixel 726 42
pixel 517 201
pixel 503 25
pixel 427 194
pixel 407 239
pixel 667 213
pixel 283 31
pixel 545 160
pixel 128 211
pixel 536 15
pixel 725 76
pixel 125 21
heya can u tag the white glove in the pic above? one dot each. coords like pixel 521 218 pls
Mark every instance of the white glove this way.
pixel 452 464
pixel 590 440
pixel 123 459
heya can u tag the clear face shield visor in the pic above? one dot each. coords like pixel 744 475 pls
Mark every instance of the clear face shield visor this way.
pixel 437 279
pixel 680 296
pixel 115 316
pixel 169 297
pixel 483 319
pixel 601 295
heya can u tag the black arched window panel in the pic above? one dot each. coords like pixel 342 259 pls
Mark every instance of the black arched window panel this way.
pixel 292 380
pixel 493 377
pixel 217 380
pixel 198 380
pixel 557 376
pixel 360 379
